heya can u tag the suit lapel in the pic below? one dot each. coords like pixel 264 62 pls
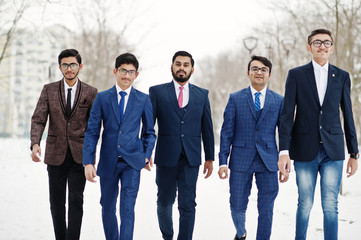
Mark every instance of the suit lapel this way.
pixel 310 73
pixel 173 98
pixel 114 101
pixel 251 102
pixel 330 81
pixel 131 100
pixel 62 96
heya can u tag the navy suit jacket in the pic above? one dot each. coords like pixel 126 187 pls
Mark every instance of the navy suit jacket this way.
pixel 119 139
pixel 243 135
pixel 305 123
pixel 185 127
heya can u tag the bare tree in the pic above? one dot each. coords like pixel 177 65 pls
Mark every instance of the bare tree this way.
pixel 10 14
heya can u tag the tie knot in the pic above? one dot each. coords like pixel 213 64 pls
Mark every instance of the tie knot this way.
pixel 69 90
pixel 181 88
pixel 122 93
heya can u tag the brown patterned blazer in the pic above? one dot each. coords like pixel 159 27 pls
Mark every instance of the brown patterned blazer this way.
pixel 62 132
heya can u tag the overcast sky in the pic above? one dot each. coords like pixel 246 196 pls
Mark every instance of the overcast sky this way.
pixel 202 27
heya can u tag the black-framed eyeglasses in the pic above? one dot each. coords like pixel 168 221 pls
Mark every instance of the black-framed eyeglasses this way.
pixel 318 43
pixel 124 72
pixel 72 66
pixel 263 70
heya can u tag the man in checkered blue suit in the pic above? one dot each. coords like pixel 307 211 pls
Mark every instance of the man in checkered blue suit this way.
pixel 248 136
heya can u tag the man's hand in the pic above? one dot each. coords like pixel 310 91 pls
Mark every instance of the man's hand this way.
pixel 149 165
pixel 36 153
pixel 90 172
pixel 352 166
pixel 284 166
pixel 208 168
pixel 223 172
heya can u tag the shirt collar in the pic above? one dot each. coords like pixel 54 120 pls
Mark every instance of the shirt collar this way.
pixel 318 67
pixel 177 85
pixel 263 91
pixel 66 86
pixel 126 90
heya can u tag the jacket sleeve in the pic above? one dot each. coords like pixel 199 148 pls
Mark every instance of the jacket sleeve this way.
pixel 148 133
pixel 39 118
pixel 207 130
pixel 227 132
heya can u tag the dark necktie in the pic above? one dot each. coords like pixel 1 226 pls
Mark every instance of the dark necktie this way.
pixel 121 104
pixel 68 104
pixel 257 102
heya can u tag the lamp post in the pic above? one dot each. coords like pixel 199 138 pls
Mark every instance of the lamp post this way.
pixel 250 43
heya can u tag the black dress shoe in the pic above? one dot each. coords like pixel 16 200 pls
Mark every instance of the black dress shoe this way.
pixel 242 238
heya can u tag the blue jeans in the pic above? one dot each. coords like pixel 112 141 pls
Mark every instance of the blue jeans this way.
pixel 306 176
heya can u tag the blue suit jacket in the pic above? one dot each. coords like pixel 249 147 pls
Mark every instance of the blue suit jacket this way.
pixel 243 135
pixel 182 127
pixel 119 139
pixel 301 134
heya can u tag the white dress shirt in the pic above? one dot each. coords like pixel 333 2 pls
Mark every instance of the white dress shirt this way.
pixel 185 92
pixel 73 92
pixel 321 76
pixel 126 96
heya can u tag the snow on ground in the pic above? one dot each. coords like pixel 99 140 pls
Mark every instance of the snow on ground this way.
pixel 25 211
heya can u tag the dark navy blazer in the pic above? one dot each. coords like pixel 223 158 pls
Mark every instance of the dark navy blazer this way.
pixel 186 127
pixel 305 123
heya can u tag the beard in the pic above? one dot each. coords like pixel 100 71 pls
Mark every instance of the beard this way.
pixel 183 78
pixel 72 78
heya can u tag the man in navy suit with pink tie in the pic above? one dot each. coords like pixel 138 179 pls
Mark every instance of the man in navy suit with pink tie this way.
pixel 248 138
pixel 183 113
pixel 121 110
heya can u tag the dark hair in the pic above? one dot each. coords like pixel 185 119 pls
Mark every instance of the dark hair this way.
pixel 263 60
pixel 183 54
pixel 69 53
pixel 126 58
pixel 319 31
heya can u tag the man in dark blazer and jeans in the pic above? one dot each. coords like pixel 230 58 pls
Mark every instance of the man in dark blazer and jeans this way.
pixel 67 104
pixel 183 113
pixel 311 132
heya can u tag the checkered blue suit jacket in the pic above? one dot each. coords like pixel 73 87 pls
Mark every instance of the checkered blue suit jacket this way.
pixel 242 135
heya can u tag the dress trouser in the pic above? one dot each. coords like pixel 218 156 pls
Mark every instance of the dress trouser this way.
pixel 72 174
pixel 181 178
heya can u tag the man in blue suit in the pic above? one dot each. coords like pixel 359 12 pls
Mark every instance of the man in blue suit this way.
pixel 184 120
pixel 311 132
pixel 248 136
pixel 121 110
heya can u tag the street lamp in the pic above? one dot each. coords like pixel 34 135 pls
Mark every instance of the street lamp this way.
pixel 250 43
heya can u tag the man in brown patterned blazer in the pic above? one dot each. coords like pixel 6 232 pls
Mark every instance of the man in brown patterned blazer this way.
pixel 67 104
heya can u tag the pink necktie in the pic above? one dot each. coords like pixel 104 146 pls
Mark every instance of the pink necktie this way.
pixel 180 97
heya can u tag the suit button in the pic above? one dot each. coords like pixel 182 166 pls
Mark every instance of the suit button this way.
pixel 118 146
pixel 320 127
pixel 120 132
pixel 69 124
pixel 257 129
pixel 68 138
pixel 182 122
pixel 182 135
pixel 321 112
pixel 257 142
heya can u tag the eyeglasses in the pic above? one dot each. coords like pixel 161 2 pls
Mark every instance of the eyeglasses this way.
pixel 72 66
pixel 263 70
pixel 124 72
pixel 318 43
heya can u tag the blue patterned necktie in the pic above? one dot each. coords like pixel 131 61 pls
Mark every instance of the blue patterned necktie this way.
pixel 121 104
pixel 257 102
